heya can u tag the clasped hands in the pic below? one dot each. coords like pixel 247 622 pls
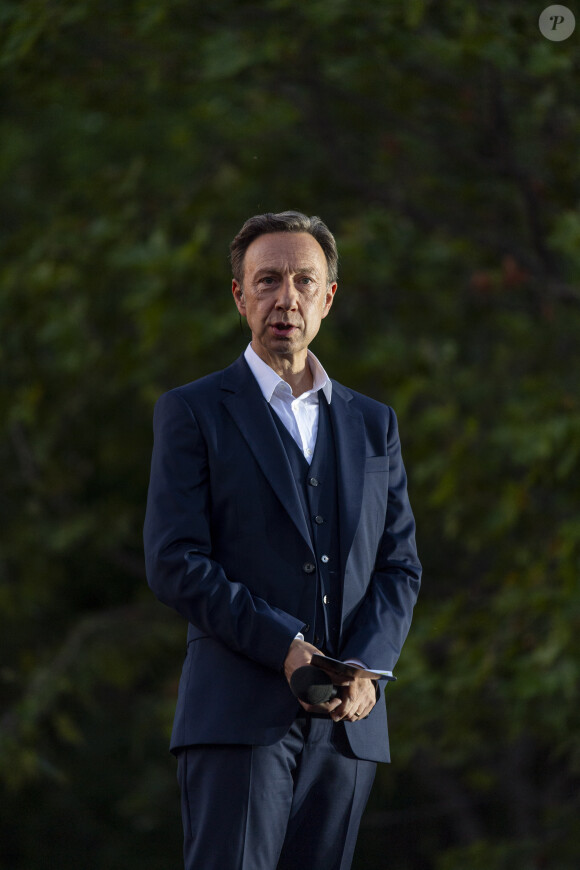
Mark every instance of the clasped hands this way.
pixel 356 698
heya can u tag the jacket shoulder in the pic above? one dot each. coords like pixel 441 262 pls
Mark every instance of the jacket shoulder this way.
pixel 365 404
pixel 209 387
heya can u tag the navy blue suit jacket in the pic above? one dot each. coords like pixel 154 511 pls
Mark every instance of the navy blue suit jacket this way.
pixel 226 543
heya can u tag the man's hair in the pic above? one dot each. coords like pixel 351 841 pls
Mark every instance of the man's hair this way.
pixel 283 222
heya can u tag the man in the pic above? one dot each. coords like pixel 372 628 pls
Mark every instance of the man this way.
pixel 278 525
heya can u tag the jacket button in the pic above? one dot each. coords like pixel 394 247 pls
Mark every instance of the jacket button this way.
pixel 305 629
pixel 313 481
pixel 326 600
pixel 318 520
pixel 317 640
pixel 308 568
pixel 325 559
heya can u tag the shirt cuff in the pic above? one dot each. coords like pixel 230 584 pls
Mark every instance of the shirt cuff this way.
pixel 356 662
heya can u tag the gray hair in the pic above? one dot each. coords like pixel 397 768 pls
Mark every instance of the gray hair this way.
pixel 283 222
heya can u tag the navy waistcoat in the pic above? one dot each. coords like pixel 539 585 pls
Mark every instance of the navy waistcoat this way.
pixel 318 491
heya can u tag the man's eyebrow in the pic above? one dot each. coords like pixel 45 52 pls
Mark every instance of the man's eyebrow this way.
pixel 267 270
pixel 295 270
pixel 310 270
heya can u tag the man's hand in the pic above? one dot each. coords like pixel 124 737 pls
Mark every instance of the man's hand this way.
pixel 359 696
pixel 299 655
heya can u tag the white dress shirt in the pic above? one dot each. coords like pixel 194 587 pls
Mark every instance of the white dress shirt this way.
pixel 299 415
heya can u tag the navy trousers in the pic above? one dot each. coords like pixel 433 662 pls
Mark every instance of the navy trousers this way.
pixel 294 805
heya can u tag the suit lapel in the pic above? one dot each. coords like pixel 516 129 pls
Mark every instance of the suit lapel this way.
pixel 349 438
pixel 248 408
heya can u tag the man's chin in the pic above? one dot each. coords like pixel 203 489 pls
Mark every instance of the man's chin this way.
pixel 278 346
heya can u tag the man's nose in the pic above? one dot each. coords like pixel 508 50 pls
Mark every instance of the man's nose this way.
pixel 287 294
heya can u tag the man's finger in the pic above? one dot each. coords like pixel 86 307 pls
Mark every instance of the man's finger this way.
pixel 328 707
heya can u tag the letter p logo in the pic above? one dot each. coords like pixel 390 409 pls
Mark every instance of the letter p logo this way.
pixel 557 23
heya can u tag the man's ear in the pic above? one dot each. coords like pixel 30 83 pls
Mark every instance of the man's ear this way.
pixel 238 294
pixel 329 298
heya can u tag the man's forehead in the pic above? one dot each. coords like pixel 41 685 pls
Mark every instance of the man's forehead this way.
pixel 285 250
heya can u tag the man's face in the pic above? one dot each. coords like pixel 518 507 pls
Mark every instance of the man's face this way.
pixel 285 293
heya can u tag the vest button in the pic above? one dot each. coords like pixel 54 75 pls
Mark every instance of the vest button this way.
pixel 313 481
pixel 325 559
pixel 326 600
pixel 318 520
pixel 308 568
pixel 317 640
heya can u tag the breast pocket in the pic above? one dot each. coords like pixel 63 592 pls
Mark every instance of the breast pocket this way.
pixel 376 463
pixel 375 498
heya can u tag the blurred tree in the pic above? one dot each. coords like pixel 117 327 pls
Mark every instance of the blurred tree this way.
pixel 439 142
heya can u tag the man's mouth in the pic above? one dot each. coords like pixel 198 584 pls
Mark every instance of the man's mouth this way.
pixel 282 328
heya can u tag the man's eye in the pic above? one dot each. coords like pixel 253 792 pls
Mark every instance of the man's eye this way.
pixel 306 280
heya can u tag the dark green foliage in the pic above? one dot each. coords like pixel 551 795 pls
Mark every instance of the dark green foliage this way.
pixel 439 141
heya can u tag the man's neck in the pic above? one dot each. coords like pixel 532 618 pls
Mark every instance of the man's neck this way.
pixel 295 370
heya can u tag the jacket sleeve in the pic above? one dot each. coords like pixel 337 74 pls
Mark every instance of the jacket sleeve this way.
pixel 377 631
pixel 178 547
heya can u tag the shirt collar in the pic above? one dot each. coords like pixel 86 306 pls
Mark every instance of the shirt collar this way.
pixel 268 380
